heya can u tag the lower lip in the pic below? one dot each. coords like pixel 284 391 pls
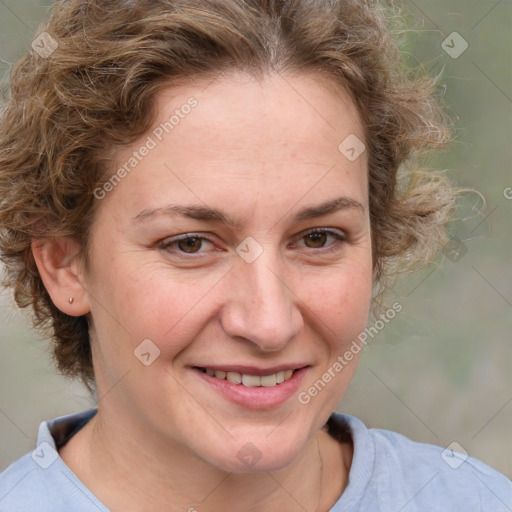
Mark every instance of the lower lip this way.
pixel 255 397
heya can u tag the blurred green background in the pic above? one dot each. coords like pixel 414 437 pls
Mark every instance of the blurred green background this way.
pixel 441 370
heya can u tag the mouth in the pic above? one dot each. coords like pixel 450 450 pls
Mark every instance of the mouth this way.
pixel 252 387
pixel 251 380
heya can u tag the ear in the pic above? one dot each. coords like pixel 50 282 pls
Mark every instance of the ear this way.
pixel 59 268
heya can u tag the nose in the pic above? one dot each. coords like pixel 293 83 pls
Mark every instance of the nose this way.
pixel 261 306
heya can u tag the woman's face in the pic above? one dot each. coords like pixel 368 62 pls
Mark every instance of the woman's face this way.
pixel 203 260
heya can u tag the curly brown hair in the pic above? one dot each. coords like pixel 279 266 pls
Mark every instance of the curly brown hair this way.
pixel 93 91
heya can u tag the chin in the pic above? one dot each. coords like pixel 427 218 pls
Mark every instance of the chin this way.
pixel 259 453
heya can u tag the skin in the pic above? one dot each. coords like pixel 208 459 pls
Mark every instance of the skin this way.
pixel 163 439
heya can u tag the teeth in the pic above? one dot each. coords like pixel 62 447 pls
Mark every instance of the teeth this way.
pixel 269 380
pixel 251 381
pixel 234 377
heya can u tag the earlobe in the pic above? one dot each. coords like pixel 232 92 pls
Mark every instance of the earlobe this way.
pixel 58 265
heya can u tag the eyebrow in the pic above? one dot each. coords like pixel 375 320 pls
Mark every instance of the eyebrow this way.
pixel 208 214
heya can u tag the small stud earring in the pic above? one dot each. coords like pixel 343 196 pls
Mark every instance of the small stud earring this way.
pixel 71 299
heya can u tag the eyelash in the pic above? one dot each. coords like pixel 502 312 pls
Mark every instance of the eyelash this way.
pixel 338 239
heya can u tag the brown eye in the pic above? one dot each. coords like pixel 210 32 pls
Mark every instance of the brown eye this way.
pixel 186 244
pixel 315 240
pixel 324 239
pixel 190 244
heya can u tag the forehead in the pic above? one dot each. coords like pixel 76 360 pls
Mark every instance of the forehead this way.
pixel 253 138
pixel 307 105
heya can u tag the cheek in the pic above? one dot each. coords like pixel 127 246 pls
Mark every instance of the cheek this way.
pixel 138 300
pixel 356 292
pixel 154 303
pixel 341 300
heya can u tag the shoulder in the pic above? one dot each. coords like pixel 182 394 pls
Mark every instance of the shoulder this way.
pixel 13 477
pixel 447 476
pixel 40 481
pixel 418 476
pixel 25 486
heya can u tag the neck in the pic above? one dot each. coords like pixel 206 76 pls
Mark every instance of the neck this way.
pixel 134 470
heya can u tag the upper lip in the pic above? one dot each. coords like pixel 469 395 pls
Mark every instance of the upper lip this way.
pixel 253 370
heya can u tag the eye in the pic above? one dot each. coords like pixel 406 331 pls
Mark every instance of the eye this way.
pixel 318 238
pixel 192 243
pixel 188 243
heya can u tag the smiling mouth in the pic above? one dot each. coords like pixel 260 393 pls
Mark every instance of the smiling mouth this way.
pixel 251 381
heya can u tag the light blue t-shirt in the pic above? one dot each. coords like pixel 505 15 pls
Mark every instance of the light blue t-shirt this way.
pixel 389 473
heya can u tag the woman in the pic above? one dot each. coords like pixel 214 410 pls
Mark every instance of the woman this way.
pixel 200 199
